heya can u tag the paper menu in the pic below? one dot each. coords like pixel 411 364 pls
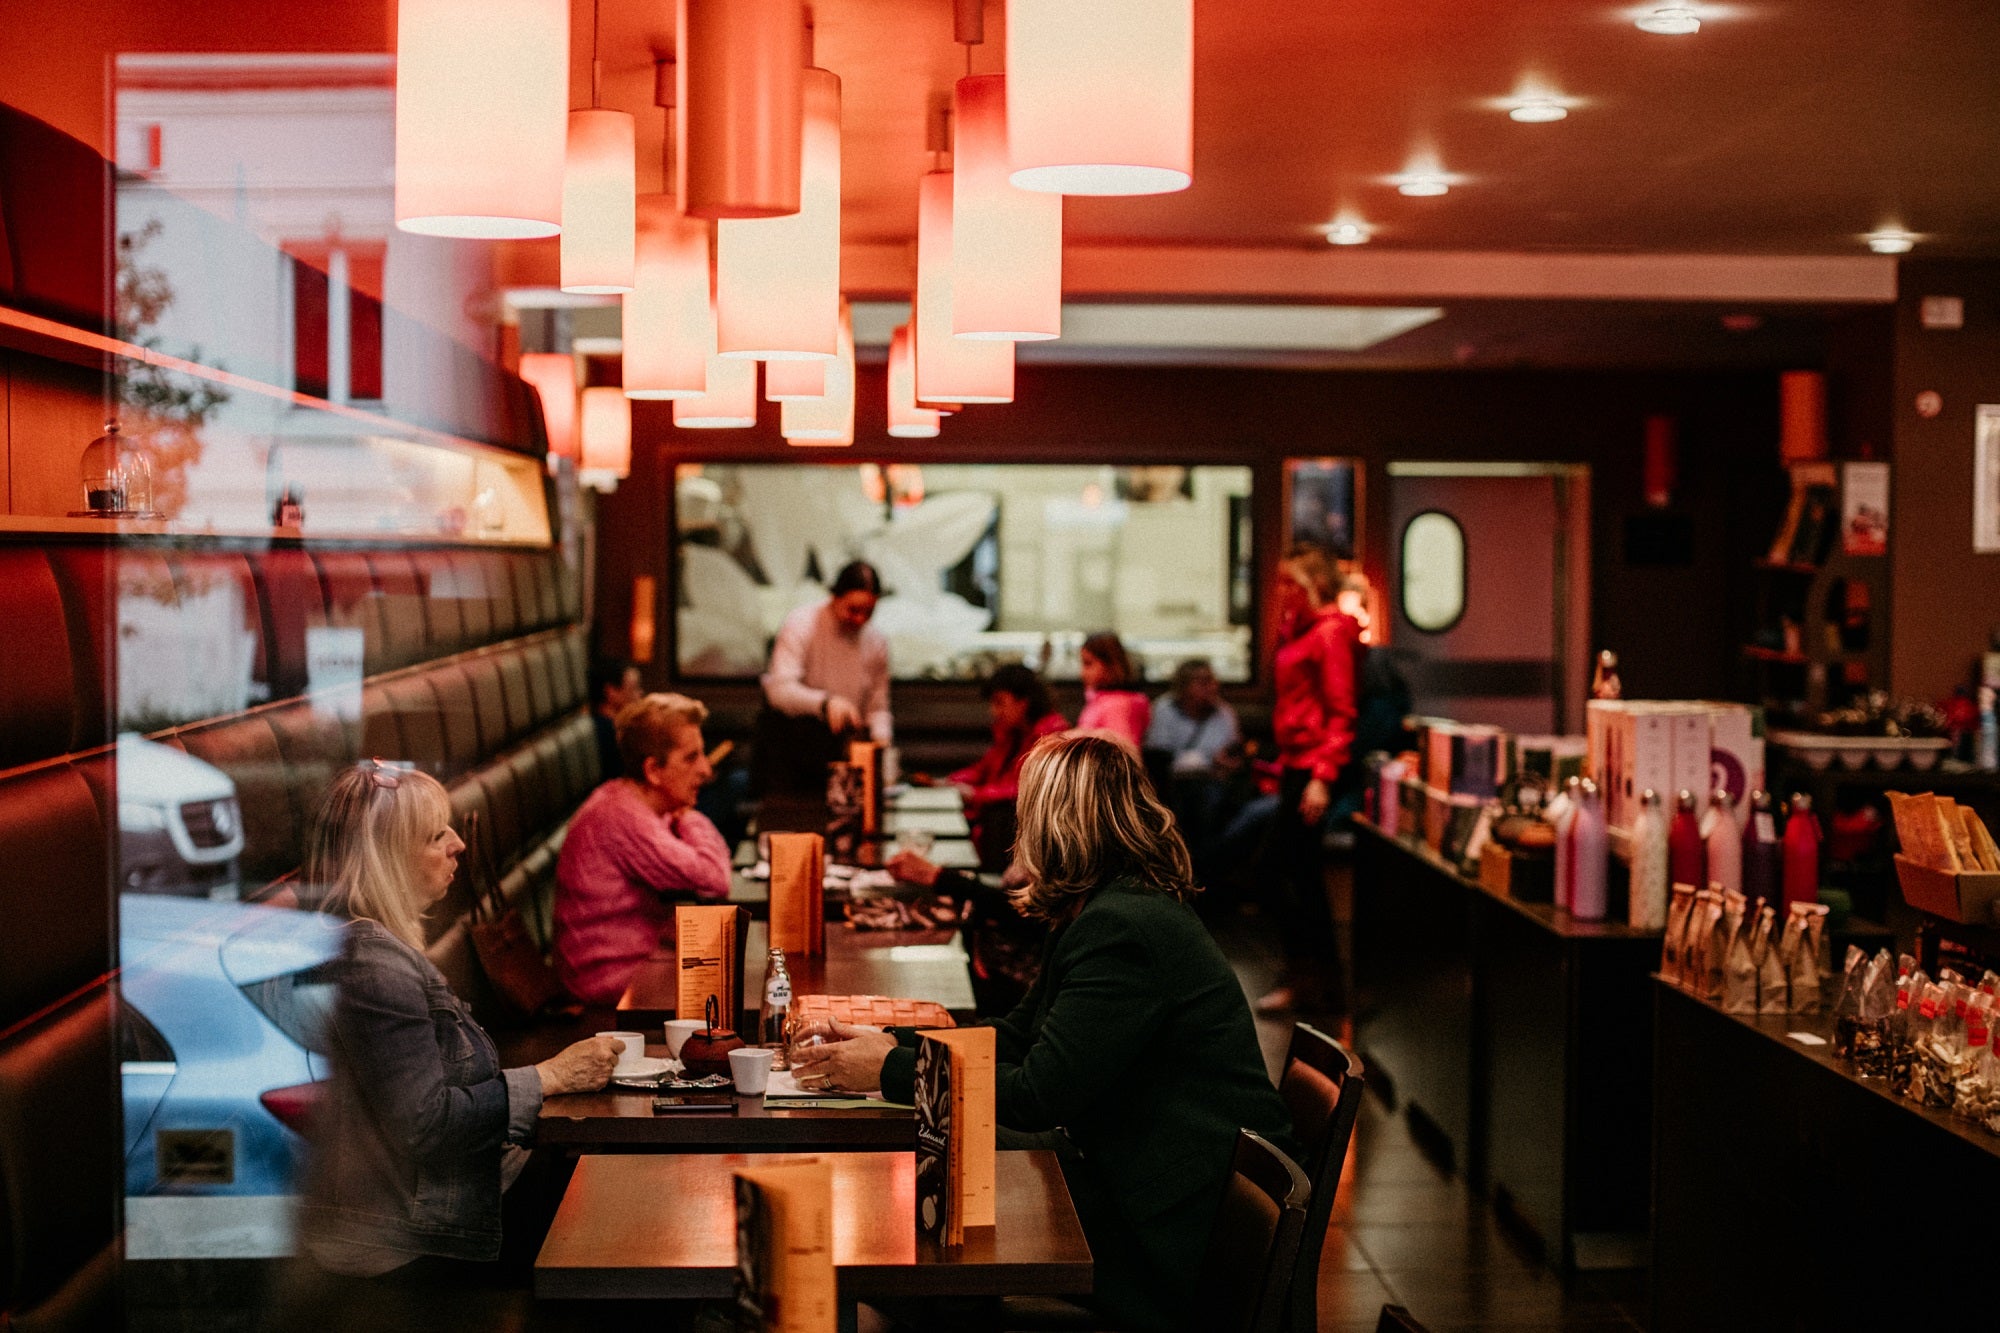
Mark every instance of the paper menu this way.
pixel 798 893
pixel 708 944
pixel 866 756
pixel 784 1248
pixel 955 1132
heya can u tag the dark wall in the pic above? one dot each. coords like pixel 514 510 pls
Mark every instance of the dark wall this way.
pixel 1678 628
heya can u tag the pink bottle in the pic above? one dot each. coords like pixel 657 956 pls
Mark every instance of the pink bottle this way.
pixel 1687 861
pixel 1587 856
pixel 1565 816
pixel 1801 853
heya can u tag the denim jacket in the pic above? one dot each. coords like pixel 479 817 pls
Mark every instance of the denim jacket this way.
pixel 406 1143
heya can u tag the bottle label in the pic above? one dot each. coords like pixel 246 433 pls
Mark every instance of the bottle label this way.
pixel 1767 828
pixel 778 992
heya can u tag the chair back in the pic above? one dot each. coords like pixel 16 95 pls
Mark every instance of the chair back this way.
pixel 1395 1319
pixel 1321 1087
pixel 1255 1240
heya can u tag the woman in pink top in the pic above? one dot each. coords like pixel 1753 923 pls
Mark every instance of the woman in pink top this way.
pixel 635 848
pixel 1112 700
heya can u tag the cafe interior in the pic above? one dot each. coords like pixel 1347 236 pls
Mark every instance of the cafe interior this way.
pixel 1486 517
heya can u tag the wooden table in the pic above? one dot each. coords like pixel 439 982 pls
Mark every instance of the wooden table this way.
pixel 664 1227
pixel 619 1120
pixel 951 853
pixel 905 964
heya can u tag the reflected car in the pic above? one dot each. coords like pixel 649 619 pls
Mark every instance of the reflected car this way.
pixel 220 1060
pixel 180 828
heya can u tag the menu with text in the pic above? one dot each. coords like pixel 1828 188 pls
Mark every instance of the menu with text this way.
pixel 866 756
pixel 955 1132
pixel 784 1248
pixel 798 893
pixel 706 944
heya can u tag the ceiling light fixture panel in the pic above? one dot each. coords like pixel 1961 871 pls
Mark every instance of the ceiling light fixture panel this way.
pixel 1667 20
pixel 1891 241
pixel 1348 233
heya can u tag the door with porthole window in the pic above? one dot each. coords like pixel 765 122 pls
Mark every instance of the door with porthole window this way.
pixel 1489 568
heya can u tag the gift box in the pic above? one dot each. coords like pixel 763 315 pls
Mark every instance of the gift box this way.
pixel 1965 896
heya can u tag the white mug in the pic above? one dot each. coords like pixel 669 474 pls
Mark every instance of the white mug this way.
pixel 750 1069
pixel 678 1031
pixel 631 1047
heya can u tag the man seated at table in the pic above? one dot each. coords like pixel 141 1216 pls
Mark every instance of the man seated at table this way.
pixel 635 848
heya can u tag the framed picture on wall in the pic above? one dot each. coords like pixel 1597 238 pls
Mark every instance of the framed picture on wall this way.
pixel 1323 503
pixel 1986 479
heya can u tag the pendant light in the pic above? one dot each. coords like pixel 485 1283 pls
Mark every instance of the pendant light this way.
pixel 606 433
pixel 1006 243
pixel 787 380
pixel 740 65
pixel 600 177
pixel 829 419
pixel 907 421
pixel 669 331
pixel 777 280
pixel 949 369
pixel 1100 96
pixel 729 404
pixel 482 96
pixel 553 375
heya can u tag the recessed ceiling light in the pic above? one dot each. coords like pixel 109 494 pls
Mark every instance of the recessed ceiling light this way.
pixel 1890 241
pixel 1348 233
pixel 1537 111
pixel 1422 187
pixel 1669 20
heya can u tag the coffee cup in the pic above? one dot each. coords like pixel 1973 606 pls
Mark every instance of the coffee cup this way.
pixel 631 1047
pixel 678 1031
pixel 750 1069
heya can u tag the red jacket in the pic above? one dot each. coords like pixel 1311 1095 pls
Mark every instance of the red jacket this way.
pixel 1313 715
pixel 997 775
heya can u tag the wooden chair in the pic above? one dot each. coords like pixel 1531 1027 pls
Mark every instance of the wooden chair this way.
pixel 1395 1319
pixel 1254 1245
pixel 1321 1086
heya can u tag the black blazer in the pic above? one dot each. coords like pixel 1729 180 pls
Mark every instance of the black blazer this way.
pixel 1137 1042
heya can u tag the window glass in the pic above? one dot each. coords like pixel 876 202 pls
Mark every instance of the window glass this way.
pixel 1433 572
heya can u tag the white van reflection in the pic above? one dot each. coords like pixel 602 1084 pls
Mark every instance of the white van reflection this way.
pixel 180 829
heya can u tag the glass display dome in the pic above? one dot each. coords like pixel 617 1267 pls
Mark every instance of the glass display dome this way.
pixel 117 476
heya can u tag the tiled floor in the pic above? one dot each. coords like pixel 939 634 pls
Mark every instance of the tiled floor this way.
pixel 1405 1232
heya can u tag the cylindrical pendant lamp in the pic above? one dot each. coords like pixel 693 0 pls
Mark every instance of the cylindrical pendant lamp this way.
pixel 739 67
pixel 729 404
pixel 786 380
pixel 669 329
pixel 600 177
pixel 607 432
pixel 1006 243
pixel 907 421
pixel 829 419
pixel 1100 96
pixel 949 369
pixel 777 280
pixel 482 104
pixel 553 375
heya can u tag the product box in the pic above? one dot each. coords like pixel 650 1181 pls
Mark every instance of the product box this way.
pixel 1736 752
pixel 1555 759
pixel 1437 817
pixel 1638 755
pixel 1968 897
pixel 1523 876
pixel 1689 724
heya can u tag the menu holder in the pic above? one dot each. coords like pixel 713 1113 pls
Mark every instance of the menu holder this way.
pixel 709 944
pixel 845 810
pixel 866 759
pixel 784 1248
pixel 798 893
pixel 955 1133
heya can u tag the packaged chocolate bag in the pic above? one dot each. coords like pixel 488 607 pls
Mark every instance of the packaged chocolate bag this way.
pixel 1802 936
pixel 1968 1087
pixel 1846 1000
pixel 1899 1023
pixel 1673 951
pixel 1773 991
pixel 1871 1032
pixel 1930 1069
pixel 1701 970
pixel 1739 965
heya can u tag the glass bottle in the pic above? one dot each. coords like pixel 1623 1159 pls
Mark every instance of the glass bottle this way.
pixel 117 476
pixel 1686 858
pixel 1763 854
pixel 1587 855
pixel 1801 852
pixel 774 1013
pixel 1646 904
pixel 1604 683
pixel 1562 813
pixel 1722 842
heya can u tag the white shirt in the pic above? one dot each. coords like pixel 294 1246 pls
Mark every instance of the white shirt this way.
pixel 815 656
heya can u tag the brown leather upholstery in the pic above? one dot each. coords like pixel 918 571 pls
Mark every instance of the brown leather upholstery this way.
pixel 489 700
pixel 457 715
pixel 468 584
pixel 55 892
pixel 503 808
pixel 417 723
pixel 576 650
pixel 38 700
pixel 1321 1087
pixel 442 613
pixel 317 738
pixel 538 792
pixel 294 601
pixel 527 592
pixel 544 569
pixel 541 688
pixel 247 750
pixel 562 679
pixel 200 575
pixel 400 613
pixel 563 795
pixel 579 745
pixel 93 579
pixel 60 1169
pixel 351 601
pixel 1396 1319
pixel 1255 1240
pixel 505 608
pixel 514 689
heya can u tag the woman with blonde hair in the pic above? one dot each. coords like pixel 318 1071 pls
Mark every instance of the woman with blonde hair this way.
pixel 419 1131
pixel 1134 1042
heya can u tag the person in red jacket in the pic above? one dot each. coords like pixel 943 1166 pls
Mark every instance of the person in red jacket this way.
pixel 1022 714
pixel 1312 720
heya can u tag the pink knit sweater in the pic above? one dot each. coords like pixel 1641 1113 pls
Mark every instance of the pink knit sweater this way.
pixel 623 869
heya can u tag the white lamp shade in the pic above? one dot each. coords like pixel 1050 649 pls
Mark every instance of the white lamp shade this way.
pixel 777 280
pixel 729 404
pixel 907 421
pixel 950 369
pixel 553 375
pixel 669 329
pixel 607 432
pixel 828 419
pixel 737 80
pixel 600 177
pixel 482 106
pixel 1100 96
pixel 787 380
pixel 1006 242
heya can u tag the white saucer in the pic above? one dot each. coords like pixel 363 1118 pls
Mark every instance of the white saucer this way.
pixel 648 1069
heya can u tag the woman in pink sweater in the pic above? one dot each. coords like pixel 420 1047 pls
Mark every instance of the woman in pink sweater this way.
pixel 1112 699
pixel 635 848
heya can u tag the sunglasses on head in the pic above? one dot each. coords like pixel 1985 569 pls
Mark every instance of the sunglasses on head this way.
pixel 382 773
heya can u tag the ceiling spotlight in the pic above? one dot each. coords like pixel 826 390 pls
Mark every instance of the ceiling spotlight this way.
pixel 1347 233
pixel 1890 241
pixel 1422 187
pixel 1669 20
pixel 1537 111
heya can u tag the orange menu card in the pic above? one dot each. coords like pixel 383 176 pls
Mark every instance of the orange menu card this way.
pixel 798 893
pixel 954 1094
pixel 867 757
pixel 784 1248
pixel 706 942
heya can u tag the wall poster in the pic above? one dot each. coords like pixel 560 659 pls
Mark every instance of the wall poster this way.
pixel 1986 479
